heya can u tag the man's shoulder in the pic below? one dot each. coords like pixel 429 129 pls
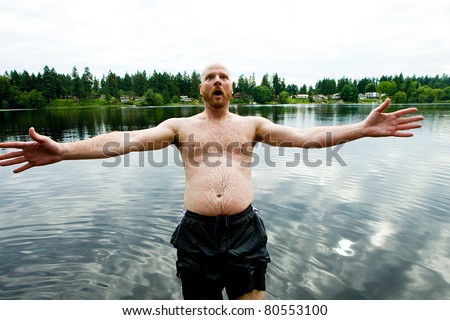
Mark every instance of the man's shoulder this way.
pixel 251 122
pixel 179 123
pixel 257 120
pixel 248 118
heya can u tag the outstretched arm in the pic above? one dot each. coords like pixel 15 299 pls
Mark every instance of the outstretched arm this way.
pixel 377 124
pixel 43 150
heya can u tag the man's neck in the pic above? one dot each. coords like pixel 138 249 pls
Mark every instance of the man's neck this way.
pixel 216 114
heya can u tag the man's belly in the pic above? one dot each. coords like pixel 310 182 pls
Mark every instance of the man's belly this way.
pixel 218 191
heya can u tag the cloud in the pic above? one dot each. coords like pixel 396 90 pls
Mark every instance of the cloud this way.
pixel 302 42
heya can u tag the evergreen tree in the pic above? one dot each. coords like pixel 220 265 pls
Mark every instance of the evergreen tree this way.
pixel 276 84
pixel 186 85
pixel 194 85
pixel 77 89
pixel 362 85
pixel 5 92
pixel 303 89
pixel 111 86
pixel 26 82
pixel 126 84
pixel 14 78
pixel 326 87
pixel 139 83
pixel 341 83
pixel 64 86
pixel 49 83
pixel 87 82
pixel 265 81
pixel 252 82
pixel 96 87
pixel 292 89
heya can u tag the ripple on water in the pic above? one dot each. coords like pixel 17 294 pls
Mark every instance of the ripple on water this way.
pixel 79 230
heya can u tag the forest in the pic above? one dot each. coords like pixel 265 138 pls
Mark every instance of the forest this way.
pixel 52 89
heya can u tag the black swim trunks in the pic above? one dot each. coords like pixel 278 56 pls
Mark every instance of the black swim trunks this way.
pixel 217 252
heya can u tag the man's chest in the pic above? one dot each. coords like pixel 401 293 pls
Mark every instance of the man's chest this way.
pixel 204 139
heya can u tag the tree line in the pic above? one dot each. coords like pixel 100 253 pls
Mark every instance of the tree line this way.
pixel 25 90
pixel 400 89
pixel 44 89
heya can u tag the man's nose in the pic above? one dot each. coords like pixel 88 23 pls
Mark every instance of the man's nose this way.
pixel 217 81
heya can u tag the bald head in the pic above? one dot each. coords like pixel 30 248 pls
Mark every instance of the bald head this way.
pixel 214 67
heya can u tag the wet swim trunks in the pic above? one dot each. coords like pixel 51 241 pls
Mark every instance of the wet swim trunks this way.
pixel 216 252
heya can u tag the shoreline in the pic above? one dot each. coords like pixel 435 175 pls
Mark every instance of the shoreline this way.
pixel 232 105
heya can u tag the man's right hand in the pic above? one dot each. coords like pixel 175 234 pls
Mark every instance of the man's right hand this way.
pixel 39 152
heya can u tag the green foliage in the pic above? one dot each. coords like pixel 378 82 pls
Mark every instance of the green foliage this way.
pixel 5 92
pixel 283 97
pixel 303 89
pixel 446 94
pixel 139 83
pixel 278 84
pixel 77 88
pixel 265 81
pixel 362 85
pixel 194 85
pixel 371 87
pixel 32 99
pixel 326 87
pixel 244 89
pixel 153 99
pixel 349 93
pixel 111 86
pixel 87 82
pixel 426 94
pixel 50 84
pixel 387 87
pixel 400 97
pixel 292 89
pixel 341 83
pixel 262 94
pixel 16 89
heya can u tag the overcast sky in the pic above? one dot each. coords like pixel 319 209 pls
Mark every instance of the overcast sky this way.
pixel 302 41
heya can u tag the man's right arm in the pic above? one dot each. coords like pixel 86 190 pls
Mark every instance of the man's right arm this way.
pixel 118 143
pixel 43 150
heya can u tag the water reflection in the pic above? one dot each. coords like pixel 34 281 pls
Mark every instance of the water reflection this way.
pixel 80 230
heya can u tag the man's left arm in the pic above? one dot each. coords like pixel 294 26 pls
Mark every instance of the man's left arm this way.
pixel 377 124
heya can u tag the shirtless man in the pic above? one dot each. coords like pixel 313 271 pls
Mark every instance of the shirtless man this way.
pixel 221 240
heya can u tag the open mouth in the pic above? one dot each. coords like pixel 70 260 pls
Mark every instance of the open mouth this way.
pixel 218 93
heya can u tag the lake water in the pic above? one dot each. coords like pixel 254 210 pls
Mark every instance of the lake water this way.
pixel 366 220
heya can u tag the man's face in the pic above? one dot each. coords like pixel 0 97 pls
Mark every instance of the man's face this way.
pixel 216 88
